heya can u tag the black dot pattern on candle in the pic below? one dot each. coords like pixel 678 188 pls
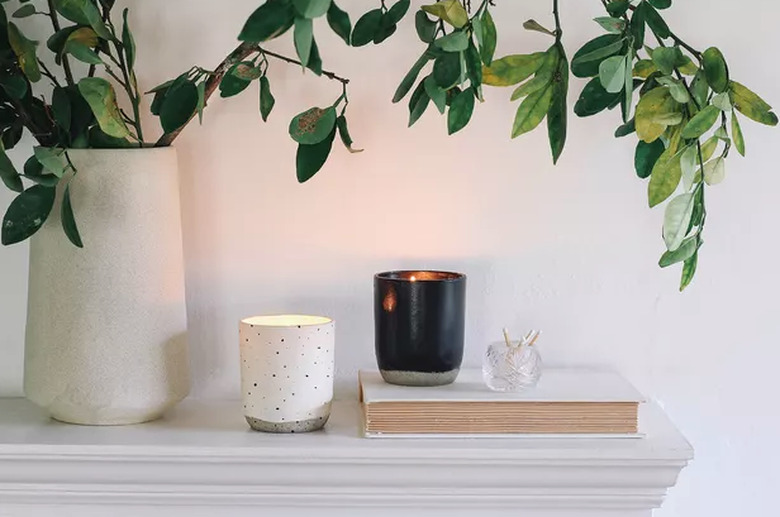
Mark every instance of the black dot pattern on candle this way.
pixel 289 371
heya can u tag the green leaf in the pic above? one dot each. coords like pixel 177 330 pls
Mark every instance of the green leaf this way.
pixel 69 221
pixel 339 22
pixel 24 11
pixel 699 88
pixel 701 122
pixel 399 9
pixel 25 53
pixel 655 22
pixel 594 99
pixel 489 36
pixel 715 171
pixel 646 156
pixel 736 133
pixel 346 139
pixel 474 67
pixel 267 100
pixel 447 70
pixel 460 112
pixel 637 26
pixel 618 8
pixel 8 172
pixel 626 129
pixel 311 8
pixel 270 20
pixel 532 111
pixel 612 73
pixel 437 95
pixel 99 140
pixel 664 178
pixel 676 88
pixel 14 85
pixel 51 159
pixel 82 52
pixel 533 25
pixel 541 79
pixel 722 101
pixel 628 87
pixel 688 271
pixel 708 148
pixel 610 24
pixel 456 41
pixel 512 69
pixel 677 219
pixel 557 113
pixel 179 105
pixel 128 41
pixel 366 27
pixel 411 76
pixel 590 67
pixel 303 37
pixel 751 105
pixel 666 58
pixel 418 103
pixel 451 11
pixel 386 29
pixel 715 69
pixel 310 158
pixel 101 97
pixel 27 213
pixel 688 161
pixel 313 125
pixel 60 107
pixel 660 4
pixel 686 250
pixel 601 53
pixel 84 12
pixel 201 100
pixel 231 84
pixel 426 28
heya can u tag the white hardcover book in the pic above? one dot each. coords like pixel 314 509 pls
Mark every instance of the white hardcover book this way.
pixel 565 402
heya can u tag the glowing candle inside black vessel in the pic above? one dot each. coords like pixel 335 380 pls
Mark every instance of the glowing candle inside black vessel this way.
pixel 419 323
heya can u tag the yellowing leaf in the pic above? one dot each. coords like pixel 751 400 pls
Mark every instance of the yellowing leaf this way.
pixel 655 111
pixel 701 123
pixel 736 133
pixel 643 68
pixel 512 69
pixel 101 97
pixel 25 53
pixel 751 105
pixel 451 11
pixel 664 178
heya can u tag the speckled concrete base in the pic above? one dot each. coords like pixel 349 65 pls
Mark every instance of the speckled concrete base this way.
pixel 419 378
pixel 298 426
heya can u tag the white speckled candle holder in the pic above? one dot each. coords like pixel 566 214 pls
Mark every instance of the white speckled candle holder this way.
pixel 287 372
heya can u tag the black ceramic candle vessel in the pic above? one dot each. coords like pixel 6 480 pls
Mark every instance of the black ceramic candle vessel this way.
pixel 419 322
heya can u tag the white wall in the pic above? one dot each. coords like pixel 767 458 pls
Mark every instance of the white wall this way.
pixel 571 249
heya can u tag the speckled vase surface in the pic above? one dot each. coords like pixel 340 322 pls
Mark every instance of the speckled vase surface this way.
pixel 287 372
pixel 106 324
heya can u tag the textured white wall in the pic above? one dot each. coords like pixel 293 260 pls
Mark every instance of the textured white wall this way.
pixel 570 249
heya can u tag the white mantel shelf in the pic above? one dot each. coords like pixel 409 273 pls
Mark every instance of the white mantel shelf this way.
pixel 202 459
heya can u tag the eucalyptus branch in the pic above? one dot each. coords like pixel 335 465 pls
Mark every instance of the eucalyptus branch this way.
pixel 55 22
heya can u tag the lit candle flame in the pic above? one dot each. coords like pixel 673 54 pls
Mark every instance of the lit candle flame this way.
pixel 413 279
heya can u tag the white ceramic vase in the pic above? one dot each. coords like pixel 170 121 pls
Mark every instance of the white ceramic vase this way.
pixel 106 324
pixel 287 372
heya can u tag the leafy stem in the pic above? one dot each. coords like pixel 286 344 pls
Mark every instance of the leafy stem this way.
pixel 240 53
pixel 55 22
pixel 558 29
